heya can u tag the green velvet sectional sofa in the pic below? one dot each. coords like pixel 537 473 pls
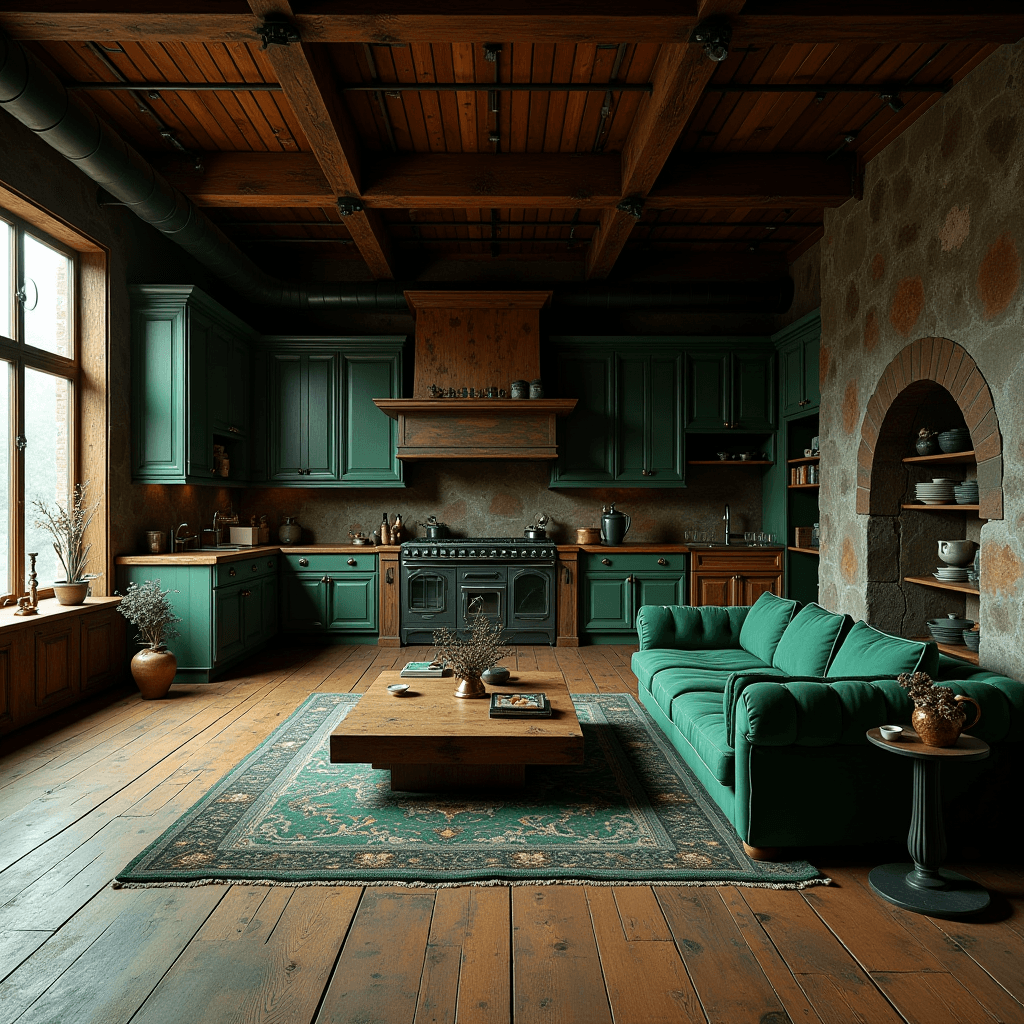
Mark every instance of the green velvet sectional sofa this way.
pixel 769 705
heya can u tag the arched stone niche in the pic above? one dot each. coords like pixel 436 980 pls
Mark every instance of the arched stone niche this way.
pixel 932 382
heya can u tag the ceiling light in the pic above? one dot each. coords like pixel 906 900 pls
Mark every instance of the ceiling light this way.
pixel 714 34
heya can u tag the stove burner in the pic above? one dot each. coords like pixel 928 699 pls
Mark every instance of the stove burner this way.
pixel 480 549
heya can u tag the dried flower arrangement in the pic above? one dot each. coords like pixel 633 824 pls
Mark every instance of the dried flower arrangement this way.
pixel 468 658
pixel 926 433
pixel 940 700
pixel 67 526
pixel 148 608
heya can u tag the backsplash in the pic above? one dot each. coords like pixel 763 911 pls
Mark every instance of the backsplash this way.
pixel 499 498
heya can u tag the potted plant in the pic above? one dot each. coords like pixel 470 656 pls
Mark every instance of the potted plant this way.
pixel 149 610
pixel 925 444
pixel 469 659
pixel 938 717
pixel 67 525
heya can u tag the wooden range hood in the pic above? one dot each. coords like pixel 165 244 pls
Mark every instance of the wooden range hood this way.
pixel 478 340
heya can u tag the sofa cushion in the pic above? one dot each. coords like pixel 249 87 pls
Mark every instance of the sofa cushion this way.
pixel 667 685
pixel 647 665
pixel 698 716
pixel 683 627
pixel 764 625
pixel 869 651
pixel 810 641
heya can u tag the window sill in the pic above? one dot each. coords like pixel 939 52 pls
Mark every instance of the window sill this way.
pixel 48 610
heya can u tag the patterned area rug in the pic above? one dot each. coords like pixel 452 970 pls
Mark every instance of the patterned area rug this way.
pixel 631 814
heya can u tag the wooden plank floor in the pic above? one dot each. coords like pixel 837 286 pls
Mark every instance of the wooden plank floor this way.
pixel 82 793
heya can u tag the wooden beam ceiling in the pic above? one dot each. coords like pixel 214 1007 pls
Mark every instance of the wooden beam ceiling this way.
pixel 307 82
pixel 520 180
pixel 536 21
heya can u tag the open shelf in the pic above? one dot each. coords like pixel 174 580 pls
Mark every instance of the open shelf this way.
pixel 951 459
pixel 944 508
pixel 804 551
pixel 801 487
pixel 806 458
pixel 954 650
pixel 729 462
pixel 931 581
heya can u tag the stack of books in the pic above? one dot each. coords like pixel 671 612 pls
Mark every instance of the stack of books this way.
pixel 520 705
pixel 423 670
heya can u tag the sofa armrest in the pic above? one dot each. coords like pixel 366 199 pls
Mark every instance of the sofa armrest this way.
pixel 686 628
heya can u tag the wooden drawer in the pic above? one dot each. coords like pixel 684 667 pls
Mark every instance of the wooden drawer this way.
pixel 592 561
pixel 245 569
pixel 330 563
pixel 742 560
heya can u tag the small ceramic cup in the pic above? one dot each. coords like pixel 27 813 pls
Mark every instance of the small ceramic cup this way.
pixel 891 733
pixel 398 689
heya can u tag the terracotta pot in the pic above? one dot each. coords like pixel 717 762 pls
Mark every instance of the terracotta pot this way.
pixel 470 686
pixel 942 732
pixel 71 593
pixel 153 671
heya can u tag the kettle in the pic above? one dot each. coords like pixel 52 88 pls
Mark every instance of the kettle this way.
pixel 613 525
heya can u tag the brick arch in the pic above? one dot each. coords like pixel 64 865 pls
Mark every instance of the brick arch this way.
pixel 924 364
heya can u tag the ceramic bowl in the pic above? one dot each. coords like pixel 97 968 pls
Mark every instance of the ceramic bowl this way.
pixel 496 675
pixel 891 733
pixel 398 689
pixel 972 639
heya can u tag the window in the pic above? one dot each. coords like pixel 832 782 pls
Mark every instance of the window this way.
pixel 39 371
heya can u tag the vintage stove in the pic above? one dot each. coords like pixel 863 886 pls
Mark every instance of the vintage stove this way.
pixel 446 583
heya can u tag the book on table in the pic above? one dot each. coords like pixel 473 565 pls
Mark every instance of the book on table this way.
pixel 520 705
pixel 423 670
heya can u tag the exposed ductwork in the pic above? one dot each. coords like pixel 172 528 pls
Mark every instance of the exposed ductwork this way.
pixel 33 95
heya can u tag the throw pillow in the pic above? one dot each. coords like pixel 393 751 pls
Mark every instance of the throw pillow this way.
pixel 810 641
pixel 867 651
pixel 764 625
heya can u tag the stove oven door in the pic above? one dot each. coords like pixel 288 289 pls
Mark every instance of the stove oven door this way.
pixel 482 591
pixel 428 602
pixel 531 617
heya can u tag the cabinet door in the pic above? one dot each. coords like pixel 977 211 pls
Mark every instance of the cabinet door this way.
pixel 662 588
pixel 753 390
pixel 352 601
pixel 228 617
pixel 712 589
pixel 811 367
pixel 10 656
pixel 791 373
pixel 665 420
pixel 370 438
pixel 199 433
pixel 320 419
pixel 252 614
pixel 707 390
pixel 158 402
pixel 103 650
pixel 751 587
pixel 304 407
pixel 56 664
pixel 607 602
pixel 285 372
pixel 268 602
pixel 632 417
pixel 586 435
pixel 303 602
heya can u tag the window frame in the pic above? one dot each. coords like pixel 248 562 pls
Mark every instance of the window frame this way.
pixel 23 356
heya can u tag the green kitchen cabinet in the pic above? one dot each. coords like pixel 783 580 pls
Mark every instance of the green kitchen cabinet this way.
pixel 227 610
pixel 615 585
pixel 322 428
pixel 190 387
pixel 330 596
pixel 626 428
pixel 730 387
pixel 799 347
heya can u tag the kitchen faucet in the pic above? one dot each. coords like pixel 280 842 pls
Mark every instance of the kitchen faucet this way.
pixel 728 524
pixel 182 543
pixel 230 517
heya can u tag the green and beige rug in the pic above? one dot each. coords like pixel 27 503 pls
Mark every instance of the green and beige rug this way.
pixel 631 814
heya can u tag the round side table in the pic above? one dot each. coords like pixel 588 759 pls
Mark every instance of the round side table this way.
pixel 923 886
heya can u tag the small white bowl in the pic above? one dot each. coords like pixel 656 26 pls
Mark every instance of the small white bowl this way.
pixel 398 689
pixel 891 733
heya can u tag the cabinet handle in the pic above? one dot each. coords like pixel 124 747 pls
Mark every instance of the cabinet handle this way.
pixel 270 565
pixel 389 575
pixel 351 561
pixel 303 562
pixel 231 572
pixel 325 579
pixel 234 430
pixel 631 599
pixel 662 561
pixel 246 593
pixel 255 568
pixel 606 561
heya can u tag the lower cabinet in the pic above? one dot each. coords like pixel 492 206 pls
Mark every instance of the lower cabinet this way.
pixel 58 658
pixel 614 586
pixel 739 577
pixel 335 595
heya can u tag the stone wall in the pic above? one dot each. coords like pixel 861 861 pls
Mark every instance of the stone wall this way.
pixel 933 250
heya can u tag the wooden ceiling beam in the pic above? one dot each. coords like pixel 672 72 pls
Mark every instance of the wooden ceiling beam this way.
pixel 519 180
pixel 308 85
pixel 537 21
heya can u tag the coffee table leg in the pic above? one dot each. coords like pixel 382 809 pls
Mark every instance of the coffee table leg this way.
pixel 924 887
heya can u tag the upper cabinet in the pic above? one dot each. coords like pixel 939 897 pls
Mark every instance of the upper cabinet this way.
pixel 190 388
pixel 627 424
pixel 322 428
pixel 730 386
pixel 799 352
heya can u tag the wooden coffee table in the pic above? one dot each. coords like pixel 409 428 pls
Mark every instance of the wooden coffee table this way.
pixel 433 741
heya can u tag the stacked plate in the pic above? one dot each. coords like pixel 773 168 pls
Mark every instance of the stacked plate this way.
pixel 952 573
pixel 956 440
pixel 949 630
pixel 938 492
pixel 972 638
pixel 966 493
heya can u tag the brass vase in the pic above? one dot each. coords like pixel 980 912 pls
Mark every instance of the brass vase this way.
pixel 942 732
pixel 470 686
pixel 153 671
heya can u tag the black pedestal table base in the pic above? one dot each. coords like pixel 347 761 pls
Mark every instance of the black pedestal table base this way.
pixel 958 897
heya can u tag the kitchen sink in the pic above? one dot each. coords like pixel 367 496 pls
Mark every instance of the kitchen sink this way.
pixel 220 547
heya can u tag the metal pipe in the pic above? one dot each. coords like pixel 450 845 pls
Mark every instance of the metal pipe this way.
pixel 33 95
pixel 375 86
pixel 881 88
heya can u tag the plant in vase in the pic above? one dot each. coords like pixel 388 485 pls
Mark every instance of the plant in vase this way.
pixel 469 659
pixel 148 609
pixel 925 442
pixel 938 717
pixel 67 524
